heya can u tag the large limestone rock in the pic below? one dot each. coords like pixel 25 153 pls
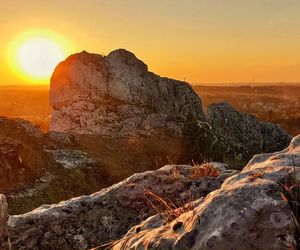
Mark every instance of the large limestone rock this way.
pixel 250 211
pixel 88 221
pixel 4 241
pixel 117 95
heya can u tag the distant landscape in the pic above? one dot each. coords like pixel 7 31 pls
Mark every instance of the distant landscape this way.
pixel 26 102
pixel 276 103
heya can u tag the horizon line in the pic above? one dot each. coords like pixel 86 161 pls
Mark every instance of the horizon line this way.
pixel 242 83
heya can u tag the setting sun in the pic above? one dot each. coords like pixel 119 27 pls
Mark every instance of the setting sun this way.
pixel 34 54
pixel 38 56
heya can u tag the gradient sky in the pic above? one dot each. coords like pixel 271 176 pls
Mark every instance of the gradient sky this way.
pixel 199 40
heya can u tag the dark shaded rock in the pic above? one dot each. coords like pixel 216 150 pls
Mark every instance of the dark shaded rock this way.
pixel 233 137
pixel 22 158
pixel 44 168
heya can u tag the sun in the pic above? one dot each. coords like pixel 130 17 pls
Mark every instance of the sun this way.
pixel 34 54
pixel 38 56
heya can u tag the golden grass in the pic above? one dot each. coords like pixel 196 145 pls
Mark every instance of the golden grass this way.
pixel 204 170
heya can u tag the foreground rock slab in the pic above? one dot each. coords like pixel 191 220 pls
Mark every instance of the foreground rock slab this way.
pixel 249 211
pixel 88 221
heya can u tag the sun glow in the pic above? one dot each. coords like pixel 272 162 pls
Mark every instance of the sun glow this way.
pixel 34 54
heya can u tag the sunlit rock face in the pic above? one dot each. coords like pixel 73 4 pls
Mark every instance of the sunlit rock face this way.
pixel 249 211
pixel 117 95
pixel 92 220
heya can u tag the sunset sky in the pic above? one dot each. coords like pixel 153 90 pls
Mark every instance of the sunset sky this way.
pixel 201 41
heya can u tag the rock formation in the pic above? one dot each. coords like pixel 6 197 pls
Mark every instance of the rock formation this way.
pixel 21 154
pixel 4 241
pixel 42 168
pixel 88 221
pixel 243 135
pixel 232 137
pixel 250 211
pixel 117 95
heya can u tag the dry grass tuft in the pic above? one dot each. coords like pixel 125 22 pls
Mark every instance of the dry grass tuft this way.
pixel 205 170
pixel 291 195
pixel 167 209
pixel 175 173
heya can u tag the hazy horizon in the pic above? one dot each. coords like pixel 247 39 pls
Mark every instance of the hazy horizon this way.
pixel 213 84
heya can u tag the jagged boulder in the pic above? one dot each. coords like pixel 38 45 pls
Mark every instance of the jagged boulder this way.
pixel 22 157
pixel 251 210
pixel 11 165
pixel 4 240
pixel 233 137
pixel 116 95
pixel 88 221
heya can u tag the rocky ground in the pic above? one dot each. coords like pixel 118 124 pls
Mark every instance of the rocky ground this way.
pixel 114 118
pixel 111 119
pixel 249 211
pixel 38 168
pixel 88 221
pixel 196 207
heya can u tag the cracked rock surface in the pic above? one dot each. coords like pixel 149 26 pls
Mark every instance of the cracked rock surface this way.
pixel 247 212
pixel 92 220
pixel 116 95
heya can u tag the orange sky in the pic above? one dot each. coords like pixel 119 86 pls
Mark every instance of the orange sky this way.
pixel 199 40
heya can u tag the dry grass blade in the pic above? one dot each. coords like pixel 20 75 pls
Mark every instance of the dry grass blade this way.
pixel 291 196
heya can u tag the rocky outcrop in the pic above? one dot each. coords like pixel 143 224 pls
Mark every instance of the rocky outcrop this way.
pixel 252 210
pixel 233 137
pixel 4 241
pixel 117 95
pixel 43 168
pixel 22 158
pixel 88 221
pixel 11 165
